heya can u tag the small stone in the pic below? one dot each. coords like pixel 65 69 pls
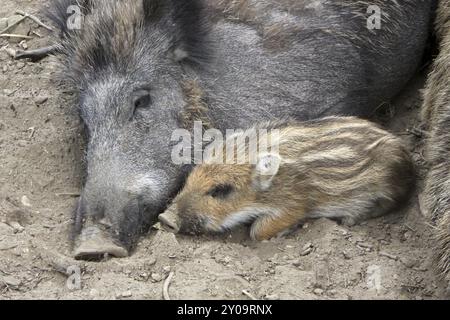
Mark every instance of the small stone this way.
pixel 226 260
pixel 167 269
pixel 409 263
pixel 40 100
pixel 24 45
pixel 346 255
pixel 150 262
pixel 297 263
pixel 3 23
pixel 25 201
pixel 127 294
pixel 318 292
pixel 406 236
pixel 156 277
pixel 20 65
pixel 5 69
pixel 272 297
pixel 11 281
pixel 93 293
pixel 16 226
pixel 307 249
pixel 365 245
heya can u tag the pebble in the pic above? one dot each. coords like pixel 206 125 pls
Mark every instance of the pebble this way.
pixel 272 297
pixel 16 226
pixel 3 23
pixel 297 263
pixel 20 65
pixel 25 201
pixel 318 291
pixel 150 262
pixel 346 255
pixel 11 281
pixel 156 277
pixel 93 293
pixel 40 100
pixel 409 263
pixel 127 294
pixel 167 269
pixel 307 249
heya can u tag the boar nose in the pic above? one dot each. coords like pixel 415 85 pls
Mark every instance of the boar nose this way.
pixel 94 245
pixel 170 221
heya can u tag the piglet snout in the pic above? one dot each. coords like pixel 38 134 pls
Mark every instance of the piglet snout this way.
pixel 170 221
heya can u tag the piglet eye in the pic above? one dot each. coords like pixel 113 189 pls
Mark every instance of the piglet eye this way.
pixel 141 99
pixel 221 191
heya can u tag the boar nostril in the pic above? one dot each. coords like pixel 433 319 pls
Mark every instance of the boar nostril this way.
pixel 169 223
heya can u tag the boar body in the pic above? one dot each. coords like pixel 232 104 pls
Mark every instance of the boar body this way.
pixel 436 117
pixel 143 68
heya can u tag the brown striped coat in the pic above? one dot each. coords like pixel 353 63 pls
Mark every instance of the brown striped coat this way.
pixel 338 167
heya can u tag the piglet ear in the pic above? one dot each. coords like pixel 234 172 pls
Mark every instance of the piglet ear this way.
pixel 265 170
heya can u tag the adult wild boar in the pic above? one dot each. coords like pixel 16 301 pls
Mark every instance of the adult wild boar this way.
pixel 143 68
pixel 436 118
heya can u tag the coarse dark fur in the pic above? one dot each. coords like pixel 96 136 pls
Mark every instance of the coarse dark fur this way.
pixel 436 118
pixel 250 61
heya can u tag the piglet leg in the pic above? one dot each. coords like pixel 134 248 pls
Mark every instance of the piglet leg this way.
pixel 269 226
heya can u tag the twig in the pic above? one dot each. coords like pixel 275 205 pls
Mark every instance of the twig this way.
pixel 68 194
pixel 8 35
pixel 248 294
pixel 36 54
pixel 34 18
pixel 12 25
pixel 6 248
pixel 166 286
pixel 388 255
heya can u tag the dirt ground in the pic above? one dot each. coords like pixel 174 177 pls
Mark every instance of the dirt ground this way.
pixel 41 170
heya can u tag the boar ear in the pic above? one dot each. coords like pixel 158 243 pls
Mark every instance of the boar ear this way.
pixel 265 170
pixel 191 42
pixel 189 19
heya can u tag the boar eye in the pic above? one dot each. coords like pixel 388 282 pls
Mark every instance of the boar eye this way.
pixel 221 191
pixel 141 99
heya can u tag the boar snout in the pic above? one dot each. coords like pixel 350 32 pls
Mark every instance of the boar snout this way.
pixel 170 221
pixel 95 246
